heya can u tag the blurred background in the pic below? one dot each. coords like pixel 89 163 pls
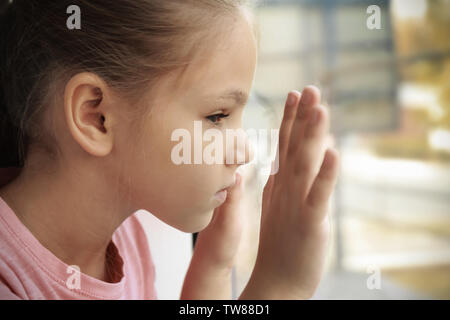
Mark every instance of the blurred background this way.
pixel 384 71
pixel 383 68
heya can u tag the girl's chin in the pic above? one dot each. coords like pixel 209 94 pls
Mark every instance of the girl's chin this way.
pixel 198 223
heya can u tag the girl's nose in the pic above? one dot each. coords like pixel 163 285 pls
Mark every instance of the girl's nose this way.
pixel 239 151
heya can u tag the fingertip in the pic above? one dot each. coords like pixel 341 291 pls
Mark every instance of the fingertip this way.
pixel 314 89
pixel 335 152
pixel 331 158
pixel 297 94
pixel 293 97
pixel 238 178
pixel 241 184
pixel 238 186
pixel 310 95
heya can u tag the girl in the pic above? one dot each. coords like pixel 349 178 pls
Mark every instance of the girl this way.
pixel 88 114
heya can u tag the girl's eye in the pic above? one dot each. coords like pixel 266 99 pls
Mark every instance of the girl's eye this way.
pixel 216 117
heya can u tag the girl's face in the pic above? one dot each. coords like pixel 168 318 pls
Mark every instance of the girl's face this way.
pixel 185 195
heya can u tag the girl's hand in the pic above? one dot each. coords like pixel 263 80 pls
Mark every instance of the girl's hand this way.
pixel 218 243
pixel 294 223
pixel 209 273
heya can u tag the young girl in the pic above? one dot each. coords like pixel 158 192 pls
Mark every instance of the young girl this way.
pixel 87 115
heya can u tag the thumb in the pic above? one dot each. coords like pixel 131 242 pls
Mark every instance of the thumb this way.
pixel 231 205
pixel 220 240
pixel 234 194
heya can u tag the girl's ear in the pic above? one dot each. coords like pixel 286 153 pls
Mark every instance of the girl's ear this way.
pixel 89 113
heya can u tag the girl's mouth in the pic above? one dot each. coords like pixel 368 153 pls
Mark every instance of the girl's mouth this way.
pixel 221 195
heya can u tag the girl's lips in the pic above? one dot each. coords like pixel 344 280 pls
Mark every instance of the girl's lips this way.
pixel 221 196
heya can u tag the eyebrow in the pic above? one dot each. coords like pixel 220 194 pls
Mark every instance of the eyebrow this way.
pixel 238 96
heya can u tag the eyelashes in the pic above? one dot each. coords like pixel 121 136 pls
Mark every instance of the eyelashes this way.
pixel 215 118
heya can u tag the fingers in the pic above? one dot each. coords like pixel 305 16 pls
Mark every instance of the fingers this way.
pixel 330 141
pixel 234 193
pixel 310 151
pixel 231 205
pixel 302 142
pixel 318 197
pixel 267 195
pixel 310 97
pixel 216 245
pixel 290 110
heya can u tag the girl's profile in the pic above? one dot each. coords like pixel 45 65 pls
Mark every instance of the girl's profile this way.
pixel 86 120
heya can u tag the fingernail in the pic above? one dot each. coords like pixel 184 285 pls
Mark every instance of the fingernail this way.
pixel 291 99
pixel 306 97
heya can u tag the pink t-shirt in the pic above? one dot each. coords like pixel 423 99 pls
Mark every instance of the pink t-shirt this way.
pixel 28 270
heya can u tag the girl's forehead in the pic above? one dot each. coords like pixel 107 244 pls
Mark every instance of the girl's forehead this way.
pixel 221 58
pixel 221 77
pixel 223 71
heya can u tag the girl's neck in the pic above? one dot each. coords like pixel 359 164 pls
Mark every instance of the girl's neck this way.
pixel 68 214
